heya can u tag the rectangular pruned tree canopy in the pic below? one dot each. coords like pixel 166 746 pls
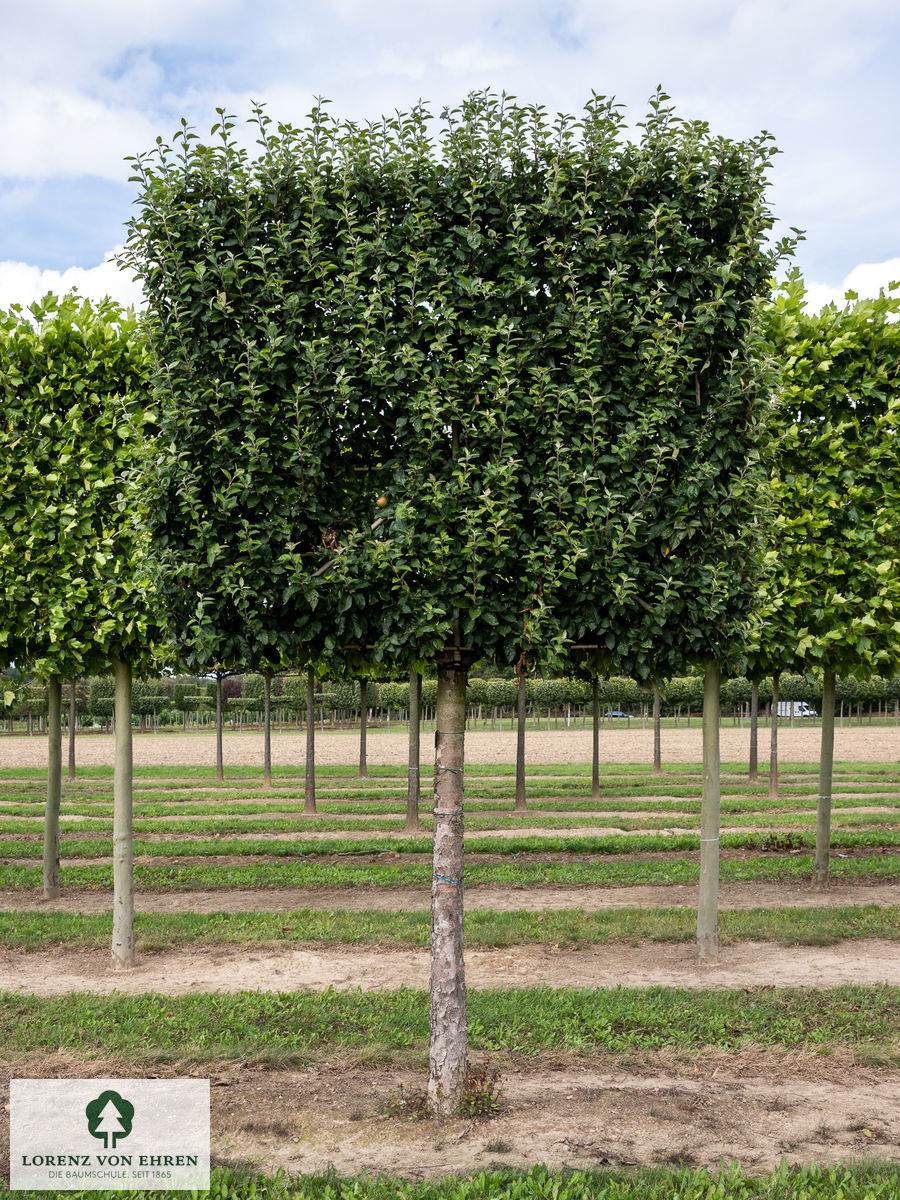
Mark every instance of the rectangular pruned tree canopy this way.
pixel 489 381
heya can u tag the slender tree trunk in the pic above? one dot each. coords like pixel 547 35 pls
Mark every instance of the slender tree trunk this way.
pixel 54 787
pixel 657 732
pixel 267 732
pixel 73 716
pixel 363 724
pixel 309 790
pixel 708 902
pixel 521 804
pixel 595 752
pixel 773 741
pixel 448 1051
pixel 754 733
pixel 413 786
pixel 123 868
pixel 220 764
pixel 826 771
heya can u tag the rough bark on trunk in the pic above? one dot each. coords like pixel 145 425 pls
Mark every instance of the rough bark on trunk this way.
pixel 123 868
pixel 413 786
pixel 521 804
pixel 595 752
pixel 363 724
pixel 657 733
pixel 220 764
pixel 267 732
pixel 708 901
pixel 309 787
pixel 773 741
pixel 73 716
pixel 826 770
pixel 448 1049
pixel 754 733
pixel 54 787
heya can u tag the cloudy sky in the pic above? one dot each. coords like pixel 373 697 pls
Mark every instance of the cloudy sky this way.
pixel 83 85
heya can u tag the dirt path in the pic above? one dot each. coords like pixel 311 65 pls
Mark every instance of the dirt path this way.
pixel 282 969
pixel 500 899
pixel 856 744
pixel 755 1106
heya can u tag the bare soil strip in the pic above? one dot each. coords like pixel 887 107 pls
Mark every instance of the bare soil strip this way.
pixel 500 899
pixel 856 744
pixel 755 1106
pixel 283 969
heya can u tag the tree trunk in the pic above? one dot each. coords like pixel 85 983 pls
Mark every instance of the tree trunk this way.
pixel 267 732
pixel 413 786
pixel 54 787
pixel 754 733
pixel 309 789
pixel 773 741
pixel 708 901
pixel 657 733
pixel 363 723
pixel 123 869
pixel 73 716
pixel 448 1050
pixel 595 754
pixel 826 770
pixel 220 765
pixel 521 804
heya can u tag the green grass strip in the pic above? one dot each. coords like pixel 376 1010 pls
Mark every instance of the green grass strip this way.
pixel 302 871
pixel 857 1181
pixel 569 928
pixel 523 1021
pixel 260 825
pixel 102 810
pixel 624 844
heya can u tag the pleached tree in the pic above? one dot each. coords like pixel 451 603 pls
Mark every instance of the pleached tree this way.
pixel 830 595
pixel 426 403
pixel 76 597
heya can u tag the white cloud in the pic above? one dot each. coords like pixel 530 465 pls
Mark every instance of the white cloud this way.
pixel 866 279
pixel 55 131
pixel 21 283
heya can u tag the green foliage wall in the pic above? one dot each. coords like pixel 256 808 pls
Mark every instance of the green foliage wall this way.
pixel 831 592
pixel 533 339
pixel 73 581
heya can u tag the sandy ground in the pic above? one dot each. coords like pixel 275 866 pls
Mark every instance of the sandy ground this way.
pixel 500 899
pixel 858 743
pixel 756 1106
pixel 286 969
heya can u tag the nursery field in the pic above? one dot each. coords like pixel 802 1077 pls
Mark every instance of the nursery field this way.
pixel 878 742
pixel 285 957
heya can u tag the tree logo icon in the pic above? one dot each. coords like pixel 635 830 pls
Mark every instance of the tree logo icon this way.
pixel 109 1117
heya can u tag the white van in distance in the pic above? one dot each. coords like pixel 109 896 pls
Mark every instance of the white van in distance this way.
pixel 795 708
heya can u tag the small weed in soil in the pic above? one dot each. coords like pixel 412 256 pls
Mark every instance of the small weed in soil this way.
pixel 498 1146
pixel 410 1103
pixel 480 1098
pixel 481 1095
pixel 778 843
